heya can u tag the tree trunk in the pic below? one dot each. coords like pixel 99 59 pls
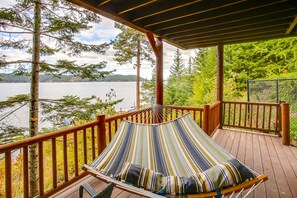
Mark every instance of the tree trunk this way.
pixel 138 74
pixel 34 99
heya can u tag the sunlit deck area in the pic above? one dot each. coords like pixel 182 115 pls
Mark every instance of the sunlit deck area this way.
pixel 264 153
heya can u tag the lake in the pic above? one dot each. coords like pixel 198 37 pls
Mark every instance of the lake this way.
pixel 125 90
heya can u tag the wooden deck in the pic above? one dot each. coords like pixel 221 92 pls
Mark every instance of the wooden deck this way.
pixel 264 153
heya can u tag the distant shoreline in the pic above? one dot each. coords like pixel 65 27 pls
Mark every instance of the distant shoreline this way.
pixel 10 78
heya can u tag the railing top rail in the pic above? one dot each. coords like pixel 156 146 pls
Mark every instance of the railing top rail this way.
pixel 43 137
pixel 254 103
pixel 215 104
pixel 184 108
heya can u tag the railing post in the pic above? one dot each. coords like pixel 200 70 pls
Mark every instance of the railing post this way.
pixel 206 109
pixel 101 133
pixel 285 120
pixel 8 177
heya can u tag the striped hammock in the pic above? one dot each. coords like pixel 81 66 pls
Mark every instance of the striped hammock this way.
pixel 175 157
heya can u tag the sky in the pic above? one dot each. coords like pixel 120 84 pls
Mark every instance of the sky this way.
pixel 105 32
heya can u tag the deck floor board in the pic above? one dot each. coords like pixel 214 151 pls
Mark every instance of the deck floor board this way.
pixel 263 153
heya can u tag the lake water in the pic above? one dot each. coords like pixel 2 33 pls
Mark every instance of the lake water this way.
pixel 125 90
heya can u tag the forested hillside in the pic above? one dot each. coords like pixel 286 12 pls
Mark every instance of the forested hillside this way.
pixel 11 78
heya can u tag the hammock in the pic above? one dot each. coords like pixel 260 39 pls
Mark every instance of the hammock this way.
pixel 175 157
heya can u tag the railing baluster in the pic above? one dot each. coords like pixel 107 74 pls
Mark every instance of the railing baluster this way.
pixel 25 171
pixel 229 112
pixel 234 113
pixel 54 162
pixel 75 153
pixel 116 125
pixel 257 116
pixel 276 119
pixel 263 116
pixel 8 178
pixel 245 114
pixel 65 156
pixel 269 118
pixel 85 146
pixel 251 116
pixel 109 131
pixel 239 121
pixel 40 163
pixel 93 143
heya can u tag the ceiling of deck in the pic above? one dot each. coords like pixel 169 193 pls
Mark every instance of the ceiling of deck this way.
pixel 192 24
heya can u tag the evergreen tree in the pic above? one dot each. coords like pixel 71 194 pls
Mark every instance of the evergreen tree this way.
pixel 177 69
pixel 52 26
pixel 149 90
pixel 258 60
pixel 131 44
pixel 177 87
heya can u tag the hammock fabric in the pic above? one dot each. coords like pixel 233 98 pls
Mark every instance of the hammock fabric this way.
pixel 176 157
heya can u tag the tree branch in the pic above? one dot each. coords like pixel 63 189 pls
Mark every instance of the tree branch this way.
pixel 16 26
pixel 15 32
pixel 12 111
pixel 16 62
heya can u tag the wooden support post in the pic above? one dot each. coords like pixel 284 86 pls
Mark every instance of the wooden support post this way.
pixel 101 133
pixel 157 45
pixel 206 118
pixel 285 113
pixel 220 81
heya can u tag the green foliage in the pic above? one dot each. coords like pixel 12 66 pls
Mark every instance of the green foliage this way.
pixel 148 90
pixel 73 108
pixel 125 45
pixel 179 85
pixel 259 60
pixel 60 22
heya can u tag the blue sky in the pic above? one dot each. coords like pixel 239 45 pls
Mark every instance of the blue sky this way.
pixel 104 32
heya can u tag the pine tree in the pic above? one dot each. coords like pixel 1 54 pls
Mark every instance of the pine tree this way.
pixel 53 26
pixel 177 90
pixel 177 69
pixel 131 44
pixel 149 90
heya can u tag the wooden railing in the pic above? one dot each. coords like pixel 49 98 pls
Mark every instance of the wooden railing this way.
pixel 173 112
pixel 142 116
pixel 62 153
pixel 79 143
pixel 263 117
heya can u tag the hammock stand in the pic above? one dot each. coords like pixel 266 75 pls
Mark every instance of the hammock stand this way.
pixel 252 184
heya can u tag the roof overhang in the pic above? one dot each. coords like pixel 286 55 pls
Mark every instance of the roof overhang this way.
pixel 192 24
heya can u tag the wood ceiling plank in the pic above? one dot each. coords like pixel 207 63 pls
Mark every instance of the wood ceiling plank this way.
pixel 263 32
pixel 131 5
pixel 191 10
pixel 232 26
pixel 234 12
pixel 257 14
pixel 238 31
pixel 292 26
pixel 162 8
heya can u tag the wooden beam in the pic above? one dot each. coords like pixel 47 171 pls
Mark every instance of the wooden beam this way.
pixel 204 7
pixel 220 80
pixel 127 8
pixel 293 24
pixel 157 45
pixel 164 7
pixel 235 35
pixel 247 29
pixel 223 17
pixel 262 21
